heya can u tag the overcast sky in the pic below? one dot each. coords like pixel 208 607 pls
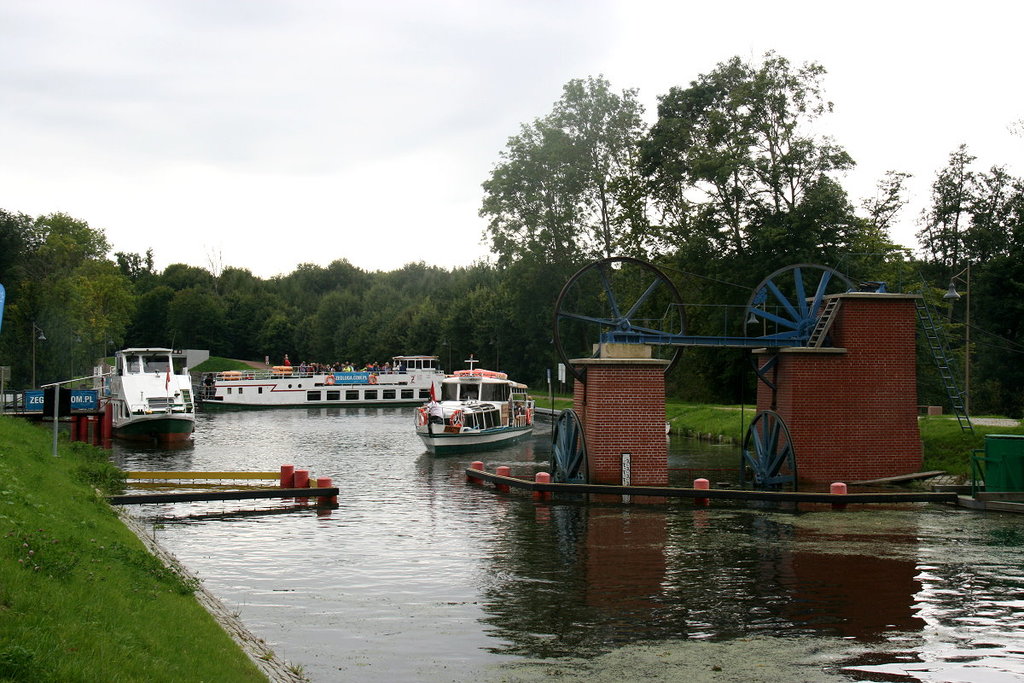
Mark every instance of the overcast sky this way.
pixel 267 133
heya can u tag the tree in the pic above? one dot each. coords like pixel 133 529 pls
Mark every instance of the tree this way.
pixel 565 189
pixel 946 221
pixel 732 155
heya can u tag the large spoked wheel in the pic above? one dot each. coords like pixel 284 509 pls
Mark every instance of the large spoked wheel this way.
pixel 787 303
pixel 768 460
pixel 617 294
pixel 568 449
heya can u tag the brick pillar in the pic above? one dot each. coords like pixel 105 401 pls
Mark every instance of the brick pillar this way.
pixel 852 408
pixel 622 408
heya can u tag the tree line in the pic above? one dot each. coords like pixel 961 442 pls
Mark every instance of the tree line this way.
pixel 732 181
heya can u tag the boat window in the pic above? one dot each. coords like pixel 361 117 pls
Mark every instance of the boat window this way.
pixel 334 395
pixel 131 364
pixel 229 390
pixel 388 394
pixel 179 364
pixel 469 392
pixel 449 391
pixel 312 395
pixel 259 390
pixel 240 389
pixel 425 393
pixel 352 395
pixel 408 393
pixel 370 395
pixel 154 363
pixel 494 392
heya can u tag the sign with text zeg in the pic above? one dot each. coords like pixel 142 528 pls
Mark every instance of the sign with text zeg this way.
pixel 81 399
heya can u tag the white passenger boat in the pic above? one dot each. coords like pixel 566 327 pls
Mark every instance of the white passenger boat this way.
pixel 478 409
pixel 407 383
pixel 150 395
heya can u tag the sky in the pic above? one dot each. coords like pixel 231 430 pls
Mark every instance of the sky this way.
pixel 263 134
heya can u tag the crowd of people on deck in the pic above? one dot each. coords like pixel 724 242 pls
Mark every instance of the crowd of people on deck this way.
pixel 305 368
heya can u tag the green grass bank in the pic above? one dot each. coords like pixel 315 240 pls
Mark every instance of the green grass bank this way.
pixel 946 446
pixel 81 599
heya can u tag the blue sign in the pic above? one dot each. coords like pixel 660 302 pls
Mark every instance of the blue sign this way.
pixel 81 399
pixel 85 399
pixel 3 296
pixel 351 377
pixel 34 401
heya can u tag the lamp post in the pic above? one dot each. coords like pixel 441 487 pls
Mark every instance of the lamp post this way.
pixel 41 337
pixel 964 277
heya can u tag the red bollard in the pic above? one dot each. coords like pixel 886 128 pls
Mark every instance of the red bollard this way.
pixel 542 478
pixel 301 479
pixel 287 476
pixel 83 428
pixel 503 471
pixel 838 488
pixel 108 424
pixel 701 485
pixel 94 425
pixel 475 465
pixel 325 483
pixel 73 429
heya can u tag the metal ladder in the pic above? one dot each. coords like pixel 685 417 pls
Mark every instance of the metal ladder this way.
pixel 943 361
pixel 824 323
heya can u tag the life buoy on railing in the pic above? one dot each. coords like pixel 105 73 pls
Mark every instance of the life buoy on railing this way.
pixel 329 379
pixel 456 419
pixel 373 379
pixel 529 416
pixel 421 417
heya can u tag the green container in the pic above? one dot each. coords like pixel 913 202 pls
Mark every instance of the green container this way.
pixel 1004 462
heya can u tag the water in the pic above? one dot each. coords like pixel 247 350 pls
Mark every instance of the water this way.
pixel 418 575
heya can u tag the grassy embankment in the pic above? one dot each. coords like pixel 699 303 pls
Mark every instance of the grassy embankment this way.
pixel 80 597
pixel 946 446
pixel 218 364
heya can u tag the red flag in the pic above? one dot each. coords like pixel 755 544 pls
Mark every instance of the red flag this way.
pixel 433 394
pixel 167 382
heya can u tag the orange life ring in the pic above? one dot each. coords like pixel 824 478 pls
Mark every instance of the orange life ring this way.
pixel 456 419
pixel 529 416
pixel 373 379
pixel 421 417
pixel 329 379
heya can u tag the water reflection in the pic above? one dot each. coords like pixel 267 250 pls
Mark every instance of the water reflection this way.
pixel 420 575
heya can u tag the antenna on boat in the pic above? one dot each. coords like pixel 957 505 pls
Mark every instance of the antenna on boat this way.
pixel 471 362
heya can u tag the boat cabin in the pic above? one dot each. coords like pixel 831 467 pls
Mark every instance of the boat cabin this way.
pixel 145 361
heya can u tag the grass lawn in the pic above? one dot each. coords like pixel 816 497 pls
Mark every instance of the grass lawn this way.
pixel 80 597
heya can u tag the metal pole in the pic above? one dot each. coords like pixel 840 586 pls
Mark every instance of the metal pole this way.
pixel 967 341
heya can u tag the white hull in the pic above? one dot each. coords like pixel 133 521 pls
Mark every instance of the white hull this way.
pixel 255 391
pixel 289 386
pixel 440 442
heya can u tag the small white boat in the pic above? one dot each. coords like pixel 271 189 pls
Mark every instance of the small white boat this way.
pixel 150 395
pixel 478 409
pixel 407 382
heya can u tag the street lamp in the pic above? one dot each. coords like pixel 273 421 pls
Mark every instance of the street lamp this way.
pixel 964 277
pixel 41 337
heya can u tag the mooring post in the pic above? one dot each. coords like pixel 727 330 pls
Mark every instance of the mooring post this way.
pixel 503 471
pixel 475 465
pixel 701 485
pixel 542 478
pixel 325 483
pixel 838 488
pixel 287 476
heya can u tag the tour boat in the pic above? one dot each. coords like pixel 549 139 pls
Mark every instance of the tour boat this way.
pixel 407 382
pixel 150 395
pixel 478 409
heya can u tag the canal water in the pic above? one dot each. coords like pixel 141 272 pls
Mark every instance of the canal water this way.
pixel 419 575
